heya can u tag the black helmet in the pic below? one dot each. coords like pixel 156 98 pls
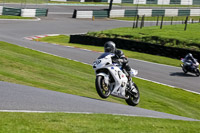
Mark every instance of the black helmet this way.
pixel 109 47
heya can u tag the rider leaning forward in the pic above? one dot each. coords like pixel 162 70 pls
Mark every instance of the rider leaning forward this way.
pixel 118 58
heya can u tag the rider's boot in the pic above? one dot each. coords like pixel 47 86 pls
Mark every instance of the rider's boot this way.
pixel 129 80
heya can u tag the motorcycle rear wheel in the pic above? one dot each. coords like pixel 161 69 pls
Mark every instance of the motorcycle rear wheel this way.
pixel 102 89
pixel 134 98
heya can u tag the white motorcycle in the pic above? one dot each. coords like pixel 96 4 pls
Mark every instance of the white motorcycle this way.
pixel 112 80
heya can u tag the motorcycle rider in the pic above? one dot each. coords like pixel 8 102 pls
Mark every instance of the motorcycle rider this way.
pixel 119 58
pixel 189 59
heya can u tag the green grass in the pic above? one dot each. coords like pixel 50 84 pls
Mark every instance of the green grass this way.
pixel 170 35
pixel 63 40
pixel 90 123
pixel 14 17
pixel 32 68
pixel 176 18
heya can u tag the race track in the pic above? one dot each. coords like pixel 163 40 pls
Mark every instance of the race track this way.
pixel 14 31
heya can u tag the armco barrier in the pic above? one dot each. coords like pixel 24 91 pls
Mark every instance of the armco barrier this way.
pixel 41 12
pixel 186 2
pixel 23 12
pixel 100 13
pixel 130 13
pixel 182 12
pixel 194 12
pixel 11 11
pixel 152 2
pixel 196 2
pixel 28 12
pixel 117 13
pixel 116 1
pixel 159 2
pixel 127 1
pixel 163 2
pixel 156 12
pixel 1 10
pixel 135 46
pixel 146 12
pixel 171 12
pixel 84 14
pixel 175 2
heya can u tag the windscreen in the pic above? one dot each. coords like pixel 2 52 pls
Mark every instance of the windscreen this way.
pixel 104 55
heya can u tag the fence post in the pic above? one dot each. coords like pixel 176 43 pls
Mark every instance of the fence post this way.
pixel 137 20
pixel 186 20
pixel 161 22
pixel 172 20
pixel 134 21
pixel 157 20
pixel 142 22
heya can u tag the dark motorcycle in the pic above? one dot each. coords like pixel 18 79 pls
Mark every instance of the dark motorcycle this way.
pixel 189 66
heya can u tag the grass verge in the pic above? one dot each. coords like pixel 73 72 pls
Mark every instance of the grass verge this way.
pixel 176 18
pixel 90 123
pixel 14 17
pixel 24 66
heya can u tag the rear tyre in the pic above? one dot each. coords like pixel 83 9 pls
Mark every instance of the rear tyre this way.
pixel 102 89
pixel 134 98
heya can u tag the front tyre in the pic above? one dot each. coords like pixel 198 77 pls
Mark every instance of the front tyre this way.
pixel 197 72
pixel 184 69
pixel 102 89
pixel 134 97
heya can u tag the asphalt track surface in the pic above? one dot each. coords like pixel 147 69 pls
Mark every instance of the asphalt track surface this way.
pixel 61 23
pixel 26 99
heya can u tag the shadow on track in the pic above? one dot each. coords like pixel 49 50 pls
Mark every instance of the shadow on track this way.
pixel 181 74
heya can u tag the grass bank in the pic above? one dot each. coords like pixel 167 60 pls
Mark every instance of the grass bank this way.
pixel 90 123
pixel 169 35
pixel 24 66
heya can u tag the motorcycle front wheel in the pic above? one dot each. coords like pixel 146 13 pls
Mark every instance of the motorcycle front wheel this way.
pixel 102 89
pixel 134 98
pixel 183 68
pixel 197 72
